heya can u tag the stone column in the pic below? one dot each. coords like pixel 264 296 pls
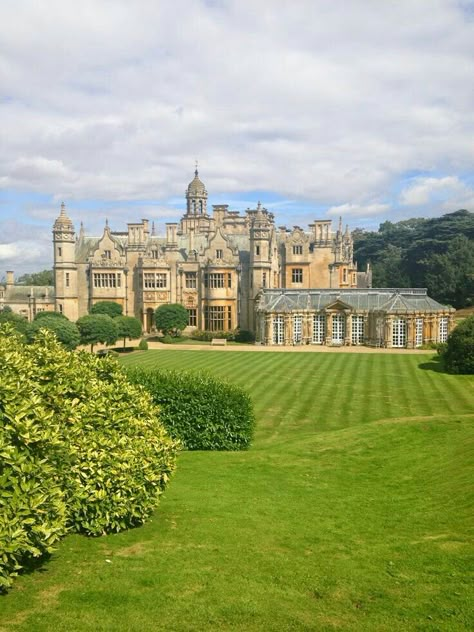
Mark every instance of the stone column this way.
pixel 348 335
pixel 288 330
pixel 328 338
pixel 268 337
pixel 410 342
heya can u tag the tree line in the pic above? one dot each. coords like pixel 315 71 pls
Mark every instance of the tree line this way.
pixel 435 253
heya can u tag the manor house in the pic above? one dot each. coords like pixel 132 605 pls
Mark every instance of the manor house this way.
pixel 227 269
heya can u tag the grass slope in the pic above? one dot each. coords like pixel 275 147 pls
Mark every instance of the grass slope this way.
pixel 352 511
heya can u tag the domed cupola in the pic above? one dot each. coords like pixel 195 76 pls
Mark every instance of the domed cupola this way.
pixel 196 197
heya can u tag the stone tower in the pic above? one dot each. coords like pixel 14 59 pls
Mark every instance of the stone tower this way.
pixel 261 229
pixel 65 268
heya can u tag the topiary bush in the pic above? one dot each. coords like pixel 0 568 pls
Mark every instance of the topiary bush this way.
pixel 458 356
pixel 204 413
pixel 81 448
pixel 207 336
pixel 143 345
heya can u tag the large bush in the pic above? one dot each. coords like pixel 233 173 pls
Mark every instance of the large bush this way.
pixel 459 353
pixel 32 503
pixel 66 332
pixel 18 322
pixel 203 412
pixel 81 448
pixel 128 327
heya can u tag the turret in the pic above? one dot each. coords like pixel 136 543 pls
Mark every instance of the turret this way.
pixel 65 269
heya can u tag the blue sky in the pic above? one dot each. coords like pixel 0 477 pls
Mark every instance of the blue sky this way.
pixel 363 109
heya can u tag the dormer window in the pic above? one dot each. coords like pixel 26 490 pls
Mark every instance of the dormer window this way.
pixel 219 253
pixel 154 254
pixel 298 249
pixel 107 254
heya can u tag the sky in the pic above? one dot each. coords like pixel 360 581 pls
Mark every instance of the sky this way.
pixel 359 108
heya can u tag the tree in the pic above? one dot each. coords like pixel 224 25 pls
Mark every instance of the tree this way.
pixel 18 322
pixel 95 328
pixel 66 332
pixel 41 315
pixel 171 319
pixel 45 277
pixel 459 354
pixel 128 327
pixel 110 308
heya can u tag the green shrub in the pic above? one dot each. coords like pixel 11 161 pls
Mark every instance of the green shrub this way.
pixel 167 340
pixel 128 327
pixel 41 315
pixel 459 354
pixel 203 412
pixel 66 332
pixel 207 336
pixel 18 322
pixel 143 345
pixel 32 501
pixel 80 448
pixel 243 335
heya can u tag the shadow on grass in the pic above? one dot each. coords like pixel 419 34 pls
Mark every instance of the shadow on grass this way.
pixel 435 364
pixel 32 565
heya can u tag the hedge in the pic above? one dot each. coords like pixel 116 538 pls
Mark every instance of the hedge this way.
pixel 81 448
pixel 204 413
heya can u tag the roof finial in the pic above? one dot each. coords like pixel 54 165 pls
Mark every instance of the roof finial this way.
pixel 63 208
pixel 196 169
pixel 153 231
pixel 106 222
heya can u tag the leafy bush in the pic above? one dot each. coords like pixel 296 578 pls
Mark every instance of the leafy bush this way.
pixel 243 335
pixel 80 448
pixel 207 336
pixel 32 502
pixel 203 412
pixel 45 314
pixel 66 332
pixel 171 319
pixel 18 322
pixel 459 354
pixel 96 328
pixel 143 345
pixel 109 308
pixel 167 340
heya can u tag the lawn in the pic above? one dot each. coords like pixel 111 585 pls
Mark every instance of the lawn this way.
pixel 353 510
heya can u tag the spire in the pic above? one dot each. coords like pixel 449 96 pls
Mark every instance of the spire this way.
pixel 340 224
pixel 153 231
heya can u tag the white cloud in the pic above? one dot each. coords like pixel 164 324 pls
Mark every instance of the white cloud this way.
pixel 448 192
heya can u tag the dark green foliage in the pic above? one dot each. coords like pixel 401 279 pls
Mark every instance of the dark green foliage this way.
pixel 41 315
pixel 110 308
pixel 459 354
pixel 128 327
pixel 66 332
pixel 6 309
pixel 436 253
pixel 143 345
pixel 19 323
pixel 203 412
pixel 95 328
pixel 207 336
pixel 171 319
pixel 167 340
pixel 45 277
pixel 81 448
pixel 243 335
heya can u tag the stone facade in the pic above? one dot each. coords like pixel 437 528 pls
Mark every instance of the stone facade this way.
pixel 26 300
pixel 391 318
pixel 214 264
